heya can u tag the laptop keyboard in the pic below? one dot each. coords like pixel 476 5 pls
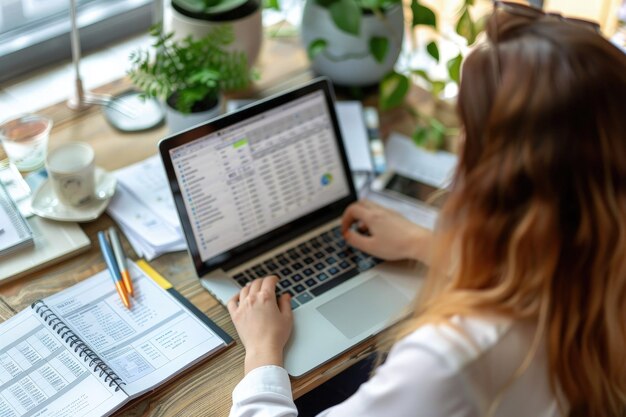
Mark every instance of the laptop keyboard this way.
pixel 312 268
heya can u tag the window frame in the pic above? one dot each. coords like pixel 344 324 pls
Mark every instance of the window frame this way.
pixel 100 24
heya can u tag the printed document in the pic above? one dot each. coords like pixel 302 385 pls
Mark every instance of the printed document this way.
pixel 144 209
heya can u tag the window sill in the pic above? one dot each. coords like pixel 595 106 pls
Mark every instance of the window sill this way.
pixel 55 84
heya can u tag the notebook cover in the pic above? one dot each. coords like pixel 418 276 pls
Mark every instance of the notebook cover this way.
pixel 54 242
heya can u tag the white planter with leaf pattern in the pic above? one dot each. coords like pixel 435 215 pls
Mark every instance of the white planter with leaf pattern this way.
pixel 350 59
pixel 243 15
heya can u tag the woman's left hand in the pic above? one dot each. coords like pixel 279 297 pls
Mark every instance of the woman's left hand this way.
pixel 263 324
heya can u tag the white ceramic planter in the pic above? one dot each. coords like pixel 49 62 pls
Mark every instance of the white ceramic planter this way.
pixel 352 65
pixel 248 31
pixel 177 121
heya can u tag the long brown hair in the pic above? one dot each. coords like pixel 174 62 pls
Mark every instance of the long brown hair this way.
pixel 535 225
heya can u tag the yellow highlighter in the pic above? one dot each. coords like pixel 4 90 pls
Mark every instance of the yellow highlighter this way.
pixel 120 257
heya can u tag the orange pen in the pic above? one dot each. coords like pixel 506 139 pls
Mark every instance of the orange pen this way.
pixel 122 293
pixel 120 257
pixel 109 259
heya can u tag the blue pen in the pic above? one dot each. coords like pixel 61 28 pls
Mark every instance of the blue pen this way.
pixel 109 259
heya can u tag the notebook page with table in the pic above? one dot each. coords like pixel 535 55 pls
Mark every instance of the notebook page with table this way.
pixel 152 342
pixel 42 376
pixel 82 353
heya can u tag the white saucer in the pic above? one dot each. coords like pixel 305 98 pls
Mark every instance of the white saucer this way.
pixel 46 204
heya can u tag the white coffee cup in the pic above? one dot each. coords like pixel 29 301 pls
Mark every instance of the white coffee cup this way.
pixel 71 170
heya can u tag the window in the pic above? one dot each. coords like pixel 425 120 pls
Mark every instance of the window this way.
pixel 35 33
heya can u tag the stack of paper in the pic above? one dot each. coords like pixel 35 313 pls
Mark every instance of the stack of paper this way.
pixel 15 233
pixel 354 134
pixel 17 188
pixel 144 209
pixel 407 159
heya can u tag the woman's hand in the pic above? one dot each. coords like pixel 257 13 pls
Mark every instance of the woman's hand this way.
pixel 263 324
pixel 384 233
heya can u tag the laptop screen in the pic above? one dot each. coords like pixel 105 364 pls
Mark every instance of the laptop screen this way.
pixel 258 174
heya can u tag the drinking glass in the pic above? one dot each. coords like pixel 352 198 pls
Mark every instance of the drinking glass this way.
pixel 25 140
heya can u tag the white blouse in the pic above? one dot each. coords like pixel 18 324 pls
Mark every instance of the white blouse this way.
pixel 436 371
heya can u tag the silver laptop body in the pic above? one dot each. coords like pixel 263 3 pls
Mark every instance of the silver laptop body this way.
pixel 261 191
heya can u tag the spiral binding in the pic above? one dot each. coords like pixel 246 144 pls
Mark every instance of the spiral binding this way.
pixel 80 347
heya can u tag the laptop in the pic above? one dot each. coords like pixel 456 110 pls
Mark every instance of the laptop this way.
pixel 261 191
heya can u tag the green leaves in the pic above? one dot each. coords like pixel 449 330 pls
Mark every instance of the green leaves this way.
pixel 393 89
pixel 155 30
pixel 480 24
pixel 432 136
pixel 347 15
pixel 454 68
pixel 325 3
pixel 466 27
pixel 422 15
pixel 370 4
pixel 379 47
pixel 436 86
pixel 204 76
pixel 190 69
pixel 189 96
pixel 210 3
pixel 433 50
pixel 316 47
pixel 271 4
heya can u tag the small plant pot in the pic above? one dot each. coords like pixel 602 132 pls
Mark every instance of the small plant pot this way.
pixel 178 121
pixel 245 20
pixel 347 60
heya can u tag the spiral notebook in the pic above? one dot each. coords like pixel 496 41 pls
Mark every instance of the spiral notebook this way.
pixel 14 230
pixel 81 353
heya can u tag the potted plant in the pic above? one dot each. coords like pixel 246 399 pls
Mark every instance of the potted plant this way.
pixel 196 18
pixel 353 42
pixel 190 74
pixel 436 125
pixel 344 44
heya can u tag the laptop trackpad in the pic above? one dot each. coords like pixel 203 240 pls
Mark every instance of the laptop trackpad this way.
pixel 371 303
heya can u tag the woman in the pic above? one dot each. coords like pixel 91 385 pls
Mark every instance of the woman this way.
pixel 524 313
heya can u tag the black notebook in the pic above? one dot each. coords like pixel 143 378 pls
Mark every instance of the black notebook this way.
pixel 80 352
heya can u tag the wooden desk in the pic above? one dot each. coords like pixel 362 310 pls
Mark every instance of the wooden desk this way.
pixel 207 389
